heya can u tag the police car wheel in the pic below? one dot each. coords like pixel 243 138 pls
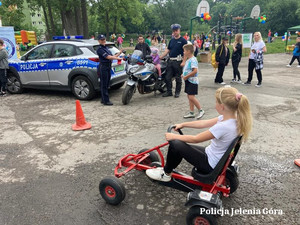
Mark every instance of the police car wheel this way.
pixel 82 88
pixel 14 85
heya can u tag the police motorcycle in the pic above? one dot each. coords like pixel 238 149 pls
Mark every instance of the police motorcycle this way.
pixel 142 76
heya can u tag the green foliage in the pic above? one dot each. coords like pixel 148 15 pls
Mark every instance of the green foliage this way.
pixel 12 15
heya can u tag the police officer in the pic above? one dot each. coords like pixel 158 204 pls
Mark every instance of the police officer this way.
pixel 174 67
pixel 104 69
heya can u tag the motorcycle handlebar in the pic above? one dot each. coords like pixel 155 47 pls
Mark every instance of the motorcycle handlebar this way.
pixel 172 127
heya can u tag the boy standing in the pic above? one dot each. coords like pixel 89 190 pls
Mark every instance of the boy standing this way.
pixel 190 76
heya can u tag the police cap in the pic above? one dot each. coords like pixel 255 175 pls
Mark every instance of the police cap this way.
pixel 101 37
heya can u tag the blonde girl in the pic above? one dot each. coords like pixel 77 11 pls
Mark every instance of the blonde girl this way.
pixel 236 58
pixel 235 119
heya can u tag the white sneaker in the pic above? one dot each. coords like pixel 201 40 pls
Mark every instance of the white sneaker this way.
pixel 298 66
pixel 288 65
pixel 239 81
pixel 189 115
pixel 233 81
pixel 223 83
pixel 258 85
pixel 158 174
pixel 201 113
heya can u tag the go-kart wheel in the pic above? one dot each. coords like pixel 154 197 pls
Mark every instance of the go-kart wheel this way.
pixel 195 216
pixel 153 157
pixel 231 179
pixel 155 164
pixel 112 190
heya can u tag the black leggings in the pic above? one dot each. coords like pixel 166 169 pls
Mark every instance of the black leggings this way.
pixel 251 67
pixel 195 155
pixel 236 72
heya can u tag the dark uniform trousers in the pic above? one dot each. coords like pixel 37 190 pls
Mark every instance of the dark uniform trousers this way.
pixel 3 80
pixel 105 74
pixel 173 70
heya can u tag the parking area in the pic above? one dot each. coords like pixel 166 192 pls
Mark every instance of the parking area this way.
pixel 50 174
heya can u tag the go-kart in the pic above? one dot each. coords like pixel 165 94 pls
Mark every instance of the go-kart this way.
pixel 204 190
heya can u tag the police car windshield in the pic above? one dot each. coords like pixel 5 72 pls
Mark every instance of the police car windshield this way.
pixel 112 49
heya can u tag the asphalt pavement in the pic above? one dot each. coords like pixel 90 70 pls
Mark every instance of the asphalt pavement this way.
pixel 50 174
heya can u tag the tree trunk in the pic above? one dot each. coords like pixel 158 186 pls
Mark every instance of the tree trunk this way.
pixel 47 23
pixel 78 23
pixel 63 20
pixel 85 24
pixel 107 24
pixel 70 23
pixel 53 30
pixel 115 24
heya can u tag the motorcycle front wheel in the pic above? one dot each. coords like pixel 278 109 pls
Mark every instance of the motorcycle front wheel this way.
pixel 127 94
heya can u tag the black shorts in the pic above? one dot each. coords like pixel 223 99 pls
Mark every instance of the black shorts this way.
pixel 191 89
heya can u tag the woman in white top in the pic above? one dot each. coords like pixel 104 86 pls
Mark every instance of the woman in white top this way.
pixel 256 59
pixel 235 119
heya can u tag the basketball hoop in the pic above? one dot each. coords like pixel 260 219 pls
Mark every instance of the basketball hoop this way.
pixel 255 12
pixel 203 7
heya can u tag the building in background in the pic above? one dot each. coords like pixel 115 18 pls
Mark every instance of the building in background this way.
pixel 35 19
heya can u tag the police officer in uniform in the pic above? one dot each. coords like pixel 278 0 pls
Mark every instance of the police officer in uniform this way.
pixel 174 67
pixel 104 69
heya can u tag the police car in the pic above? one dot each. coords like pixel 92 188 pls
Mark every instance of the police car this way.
pixel 63 65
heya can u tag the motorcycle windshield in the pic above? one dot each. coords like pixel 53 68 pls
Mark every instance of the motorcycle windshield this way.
pixel 136 57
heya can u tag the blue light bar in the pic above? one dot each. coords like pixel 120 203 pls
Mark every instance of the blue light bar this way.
pixel 67 37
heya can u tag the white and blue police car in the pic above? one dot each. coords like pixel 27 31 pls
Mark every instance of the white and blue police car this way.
pixel 63 65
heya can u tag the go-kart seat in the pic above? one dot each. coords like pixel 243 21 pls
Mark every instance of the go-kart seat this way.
pixel 212 176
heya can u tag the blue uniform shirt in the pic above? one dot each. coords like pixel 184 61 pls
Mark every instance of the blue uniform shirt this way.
pixel 176 47
pixel 103 52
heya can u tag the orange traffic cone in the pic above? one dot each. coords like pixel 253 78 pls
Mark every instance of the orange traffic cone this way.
pixel 81 124
pixel 297 162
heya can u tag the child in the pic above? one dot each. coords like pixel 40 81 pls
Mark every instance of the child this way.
pixel 236 58
pixel 156 61
pixel 163 45
pixel 190 76
pixel 120 41
pixel 131 42
pixel 196 46
pixel 3 67
pixel 296 53
pixel 222 58
pixel 235 119
pixel 207 44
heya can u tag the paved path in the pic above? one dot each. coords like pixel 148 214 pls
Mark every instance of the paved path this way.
pixel 49 174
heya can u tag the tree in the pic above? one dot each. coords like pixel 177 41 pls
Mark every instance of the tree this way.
pixel 11 13
pixel 112 14
pixel 84 19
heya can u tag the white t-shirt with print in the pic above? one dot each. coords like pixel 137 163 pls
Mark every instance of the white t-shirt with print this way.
pixel 224 132
pixel 190 64
pixel 256 46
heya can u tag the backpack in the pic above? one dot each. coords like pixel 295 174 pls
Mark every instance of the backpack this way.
pixel 213 59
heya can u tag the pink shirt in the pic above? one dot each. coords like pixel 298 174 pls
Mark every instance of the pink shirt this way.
pixel 120 40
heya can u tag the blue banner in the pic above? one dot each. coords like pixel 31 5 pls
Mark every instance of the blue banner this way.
pixel 7 34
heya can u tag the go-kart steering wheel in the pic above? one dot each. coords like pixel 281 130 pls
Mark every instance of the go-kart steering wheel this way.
pixel 172 127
